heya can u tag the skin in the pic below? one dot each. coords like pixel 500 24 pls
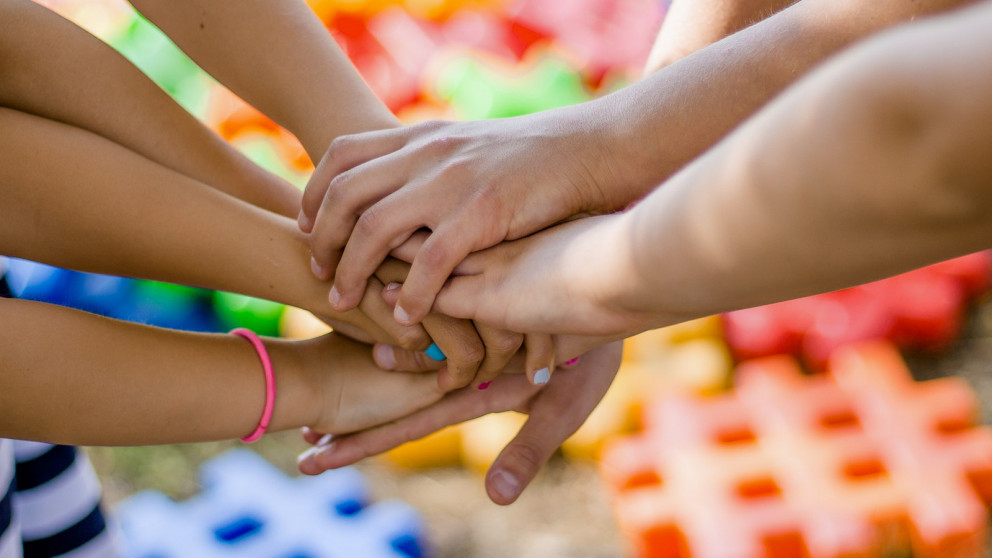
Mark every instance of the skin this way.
pixel 475 184
pixel 863 102
pixel 118 383
pixel 691 25
pixel 43 48
pixel 878 168
pixel 222 38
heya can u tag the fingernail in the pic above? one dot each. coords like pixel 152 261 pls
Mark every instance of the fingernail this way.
pixel 542 376
pixel 393 286
pixel 304 222
pixel 307 454
pixel 435 353
pixel 485 385
pixel 316 268
pixel 384 356
pixel 505 485
pixel 572 362
pixel 334 297
pixel 401 315
pixel 324 450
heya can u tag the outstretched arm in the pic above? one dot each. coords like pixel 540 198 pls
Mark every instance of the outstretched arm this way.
pixel 694 24
pixel 475 184
pixel 869 167
pixel 76 378
pixel 276 55
pixel 56 70
pixel 300 78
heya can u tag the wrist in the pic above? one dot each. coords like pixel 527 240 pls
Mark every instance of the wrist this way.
pixel 298 393
pixel 612 291
pixel 624 167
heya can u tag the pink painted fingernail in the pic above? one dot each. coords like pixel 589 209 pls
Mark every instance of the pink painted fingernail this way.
pixel 573 361
pixel 485 385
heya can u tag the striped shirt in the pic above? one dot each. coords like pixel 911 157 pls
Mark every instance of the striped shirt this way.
pixel 50 503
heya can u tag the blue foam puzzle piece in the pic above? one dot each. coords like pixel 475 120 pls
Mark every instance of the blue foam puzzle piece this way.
pixel 248 508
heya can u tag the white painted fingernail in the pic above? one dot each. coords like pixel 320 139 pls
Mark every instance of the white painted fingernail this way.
pixel 306 455
pixel 542 376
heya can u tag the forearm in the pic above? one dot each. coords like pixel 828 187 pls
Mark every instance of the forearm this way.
pixel 297 75
pixel 99 207
pixel 691 25
pixel 54 69
pixel 870 167
pixel 72 377
pixel 658 125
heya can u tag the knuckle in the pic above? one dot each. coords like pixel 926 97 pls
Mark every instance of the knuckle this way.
pixel 369 222
pixel 435 254
pixel 339 146
pixel 526 456
pixel 471 356
pixel 412 339
pixel 442 144
pixel 504 344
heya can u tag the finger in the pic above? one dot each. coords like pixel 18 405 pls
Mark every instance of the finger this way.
pixel 500 346
pixel 348 195
pixel 345 152
pixel 440 253
pixel 363 405
pixel 379 228
pixel 389 357
pixel 414 338
pixel 455 407
pixel 460 343
pixel 407 251
pixel 555 414
pixel 540 357
pixel 455 339
pixel 464 297
pixel 311 436
pixel 359 327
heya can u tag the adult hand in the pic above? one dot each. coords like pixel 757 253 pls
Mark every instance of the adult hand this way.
pixel 473 184
pixel 556 412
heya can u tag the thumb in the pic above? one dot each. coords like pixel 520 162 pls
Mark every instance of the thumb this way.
pixel 523 457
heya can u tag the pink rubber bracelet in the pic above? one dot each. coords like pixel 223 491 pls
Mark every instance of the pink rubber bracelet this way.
pixel 270 382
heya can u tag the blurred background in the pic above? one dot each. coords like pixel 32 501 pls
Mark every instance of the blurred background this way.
pixel 643 476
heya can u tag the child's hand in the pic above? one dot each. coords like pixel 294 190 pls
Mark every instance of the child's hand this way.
pixel 354 393
pixel 556 412
pixel 563 280
pixel 473 184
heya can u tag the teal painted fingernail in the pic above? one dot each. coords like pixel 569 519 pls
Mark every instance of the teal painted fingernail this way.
pixel 435 353
pixel 542 376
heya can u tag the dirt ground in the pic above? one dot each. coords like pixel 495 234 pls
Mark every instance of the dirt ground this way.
pixel 564 513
